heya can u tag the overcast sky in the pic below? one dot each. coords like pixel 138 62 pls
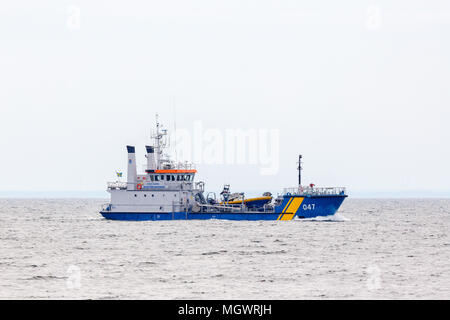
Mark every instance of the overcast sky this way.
pixel 360 88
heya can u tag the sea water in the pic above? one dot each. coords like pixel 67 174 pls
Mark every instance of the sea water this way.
pixel 372 249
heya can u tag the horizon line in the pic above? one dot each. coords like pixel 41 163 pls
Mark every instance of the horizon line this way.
pixel 100 194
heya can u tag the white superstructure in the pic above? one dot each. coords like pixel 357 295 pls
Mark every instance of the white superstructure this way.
pixel 164 187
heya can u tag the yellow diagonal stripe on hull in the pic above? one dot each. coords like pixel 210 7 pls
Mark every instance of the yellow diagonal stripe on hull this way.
pixel 287 204
pixel 288 216
pixel 292 208
pixel 279 216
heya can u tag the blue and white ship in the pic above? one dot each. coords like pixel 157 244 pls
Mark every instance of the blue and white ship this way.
pixel 168 191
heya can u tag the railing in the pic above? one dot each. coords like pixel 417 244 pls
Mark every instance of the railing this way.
pixel 315 191
pixel 165 185
pixel 173 166
pixel 185 166
pixel 117 185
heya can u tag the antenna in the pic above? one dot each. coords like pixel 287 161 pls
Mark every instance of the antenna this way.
pixel 174 130
pixel 300 170
pixel 157 138
pixel 160 144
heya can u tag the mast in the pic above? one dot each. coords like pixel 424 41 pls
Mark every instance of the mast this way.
pixel 299 170
pixel 158 144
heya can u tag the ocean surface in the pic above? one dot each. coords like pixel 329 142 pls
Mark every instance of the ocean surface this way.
pixel 372 249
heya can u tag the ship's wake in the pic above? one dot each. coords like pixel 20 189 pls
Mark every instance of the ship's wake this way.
pixel 332 218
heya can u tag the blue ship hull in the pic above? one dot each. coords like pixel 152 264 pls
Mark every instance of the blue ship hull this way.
pixel 292 206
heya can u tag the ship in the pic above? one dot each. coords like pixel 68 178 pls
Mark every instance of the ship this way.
pixel 167 190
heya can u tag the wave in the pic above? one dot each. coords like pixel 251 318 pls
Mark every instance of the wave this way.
pixel 332 218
